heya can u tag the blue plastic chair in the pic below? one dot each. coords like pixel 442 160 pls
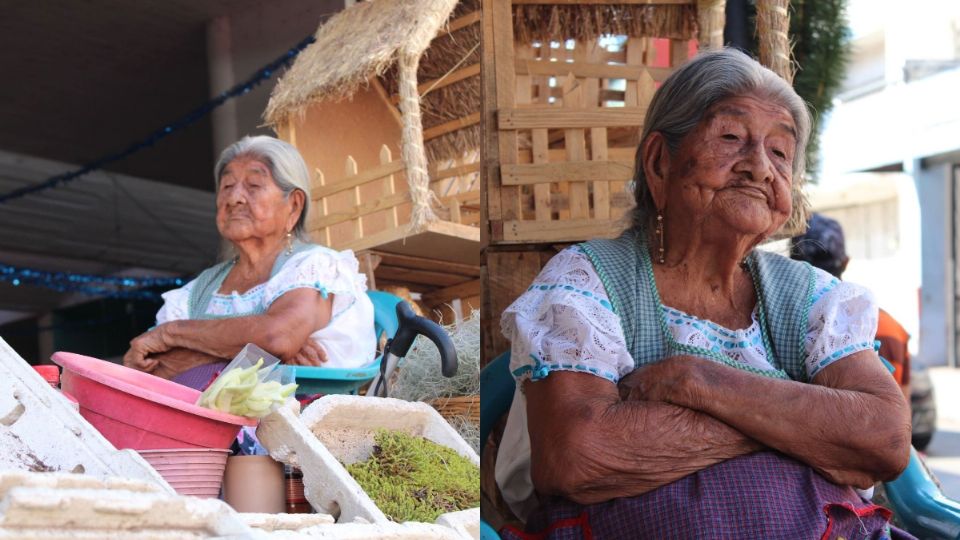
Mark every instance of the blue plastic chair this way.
pixel 324 380
pixel 916 500
pixel 496 396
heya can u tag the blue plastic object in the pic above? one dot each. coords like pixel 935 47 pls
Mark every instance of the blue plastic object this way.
pixel 496 390
pixel 920 505
pixel 324 380
pixel 487 532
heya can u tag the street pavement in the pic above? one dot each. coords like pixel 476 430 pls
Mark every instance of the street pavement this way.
pixel 943 454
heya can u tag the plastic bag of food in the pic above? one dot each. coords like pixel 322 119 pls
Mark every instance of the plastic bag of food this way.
pixel 252 384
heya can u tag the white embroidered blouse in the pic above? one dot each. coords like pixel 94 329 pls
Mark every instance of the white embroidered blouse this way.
pixel 348 339
pixel 564 321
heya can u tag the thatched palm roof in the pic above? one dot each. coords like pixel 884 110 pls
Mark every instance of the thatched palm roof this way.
pixel 356 44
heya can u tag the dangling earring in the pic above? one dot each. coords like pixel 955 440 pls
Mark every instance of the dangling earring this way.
pixel 659 233
pixel 289 244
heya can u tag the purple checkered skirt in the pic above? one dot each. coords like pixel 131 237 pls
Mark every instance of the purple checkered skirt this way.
pixel 199 377
pixel 764 495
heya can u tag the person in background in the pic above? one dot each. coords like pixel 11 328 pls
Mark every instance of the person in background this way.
pixel 304 303
pixel 823 246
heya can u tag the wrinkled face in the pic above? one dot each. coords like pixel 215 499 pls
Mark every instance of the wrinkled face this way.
pixel 249 203
pixel 734 171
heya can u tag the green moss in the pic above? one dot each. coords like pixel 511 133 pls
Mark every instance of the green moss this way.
pixel 413 479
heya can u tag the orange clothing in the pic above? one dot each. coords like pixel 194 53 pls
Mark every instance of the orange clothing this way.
pixel 893 346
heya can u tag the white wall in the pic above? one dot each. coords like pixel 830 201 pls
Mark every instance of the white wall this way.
pixel 892 271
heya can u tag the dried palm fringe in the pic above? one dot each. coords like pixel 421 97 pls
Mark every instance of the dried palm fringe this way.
pixel 583 22
pixel 357 43
pixel 711 18
pixel 454 145
pixel 773 26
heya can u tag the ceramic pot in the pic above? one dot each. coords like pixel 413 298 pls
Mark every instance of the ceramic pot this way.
pixel 254 484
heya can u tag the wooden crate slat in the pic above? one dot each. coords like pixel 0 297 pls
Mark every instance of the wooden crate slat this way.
pixel 421 263
pixel 452 172
pixel 567 230
pixel 448 79
pixel 541 190
pixel 523 96
pixel 506 84
pixel 423 277
pixel 582 171
pixel 460 22
pixel 625 154
pixel 575 144
pixel 512 119
pixel 586 69
pixel 453 125
pixel 376 173
pixel 598 136
pixel 463 290
pixel 490 136
pixel 463 198
pixel 619 201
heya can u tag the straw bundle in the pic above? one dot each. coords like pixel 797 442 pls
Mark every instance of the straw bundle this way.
pixel 710 19
pixel 587 22
pixel 773 25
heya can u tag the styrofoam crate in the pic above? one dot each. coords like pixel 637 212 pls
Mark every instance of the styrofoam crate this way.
pixel 340 428
pixel 40 431
pixel 56 505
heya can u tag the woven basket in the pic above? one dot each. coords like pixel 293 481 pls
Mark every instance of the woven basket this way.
pixel 468 406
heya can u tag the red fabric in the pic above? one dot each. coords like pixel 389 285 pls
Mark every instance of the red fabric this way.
pixel 862 512
pixel 582 521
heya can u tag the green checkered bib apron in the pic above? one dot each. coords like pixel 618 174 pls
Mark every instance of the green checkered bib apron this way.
pixel 210 280
pixel 784 290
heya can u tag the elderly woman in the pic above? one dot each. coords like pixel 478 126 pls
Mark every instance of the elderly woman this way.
pixel 304 303
pixel 676 382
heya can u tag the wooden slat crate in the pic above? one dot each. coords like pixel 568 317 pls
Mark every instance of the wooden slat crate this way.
pixel 568 117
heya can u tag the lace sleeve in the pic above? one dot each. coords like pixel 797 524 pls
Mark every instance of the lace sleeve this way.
pixel 564 321
pixel 843 320
pixel 321 269
pixel 175 304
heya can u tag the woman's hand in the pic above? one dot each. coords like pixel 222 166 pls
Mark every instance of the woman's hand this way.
pixel 148 343
pixel 311 354
pixel 665 381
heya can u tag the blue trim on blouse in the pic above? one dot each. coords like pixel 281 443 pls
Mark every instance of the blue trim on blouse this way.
pixel 838 354
pixel 540 370
pixel 545 287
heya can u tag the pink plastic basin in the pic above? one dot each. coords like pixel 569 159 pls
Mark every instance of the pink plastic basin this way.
pixel 132 409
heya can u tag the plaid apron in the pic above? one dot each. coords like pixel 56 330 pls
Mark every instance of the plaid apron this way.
pixel 765 495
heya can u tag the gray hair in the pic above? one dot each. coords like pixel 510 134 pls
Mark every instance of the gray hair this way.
pixel 680 103
pixel 286 166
